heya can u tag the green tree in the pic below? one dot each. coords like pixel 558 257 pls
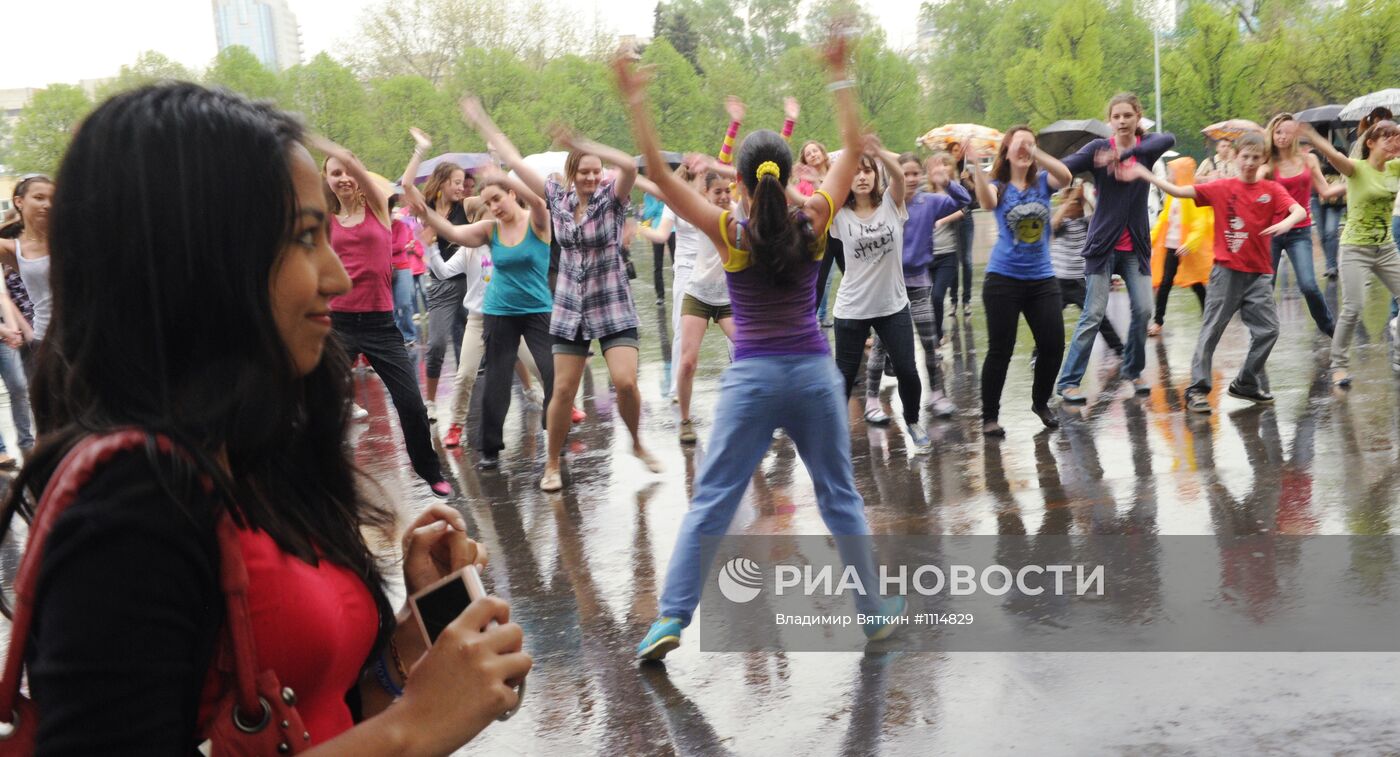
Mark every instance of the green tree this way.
pixel 961 29
pixel 150 67
pixel 239 70
pixel 683 118
pixel 399 103
pixel 1065 78
pixel 1211 76
pixel 331 99
pixel 45 126
pixel 887 86
pixel 1336 56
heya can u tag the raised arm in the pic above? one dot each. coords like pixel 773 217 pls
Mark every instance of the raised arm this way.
pixel 649 187
pixel 683 200
pixel 1129 172
pixel 659 233
pixel 837 183
pixel 791 109
pixel 626 166
pixel 890 161
pixel 1324 190
pixel 377 202
pixel 736 110
pixel 986 193
pixel 539 209
pixel 1060 175
pixel 468 235
pixel 421 143
pixel 475 115
pixel 1323 145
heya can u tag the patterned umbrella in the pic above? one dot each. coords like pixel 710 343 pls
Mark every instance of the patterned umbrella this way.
pixel 984 138
pixel 1232 129
pixel 1363 105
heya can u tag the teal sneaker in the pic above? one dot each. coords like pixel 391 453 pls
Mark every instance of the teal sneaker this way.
pixel 664 635
pixel 891 608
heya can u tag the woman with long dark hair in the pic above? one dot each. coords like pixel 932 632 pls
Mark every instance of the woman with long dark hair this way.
pixel 592 299
pixel 782 376
pixel 364 317
pixel 123 652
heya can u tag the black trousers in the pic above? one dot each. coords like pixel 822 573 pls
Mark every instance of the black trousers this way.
pixel 1006 300
pixel 1164 290
pixel 896 332
pixel 835 254
pixel 658 264
pixel 502 334
pixel 376 337
pixel 1075 292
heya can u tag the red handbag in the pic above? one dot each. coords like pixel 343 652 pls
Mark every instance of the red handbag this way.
pixel 257 716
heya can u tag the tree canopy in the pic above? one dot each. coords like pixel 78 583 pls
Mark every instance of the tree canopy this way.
pixel 996 62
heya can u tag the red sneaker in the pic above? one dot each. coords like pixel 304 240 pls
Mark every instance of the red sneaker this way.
pixel 454 436
pixel 579 416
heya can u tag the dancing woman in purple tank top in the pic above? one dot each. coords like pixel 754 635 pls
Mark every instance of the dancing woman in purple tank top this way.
pixel 782 375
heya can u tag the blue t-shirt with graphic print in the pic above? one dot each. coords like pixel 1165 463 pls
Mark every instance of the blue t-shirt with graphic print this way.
pixel 1022 250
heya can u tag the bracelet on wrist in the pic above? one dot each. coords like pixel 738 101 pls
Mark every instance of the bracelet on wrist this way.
pixel 381 675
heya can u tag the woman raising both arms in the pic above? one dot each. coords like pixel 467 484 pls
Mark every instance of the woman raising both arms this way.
pixel 517 303
pixel 782 375
pixel 592 298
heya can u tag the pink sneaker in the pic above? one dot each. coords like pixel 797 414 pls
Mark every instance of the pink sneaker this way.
pixel 441 489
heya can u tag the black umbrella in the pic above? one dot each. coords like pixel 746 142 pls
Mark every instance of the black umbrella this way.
pixel 1322 115
pixel 1064 137
pixel 673 158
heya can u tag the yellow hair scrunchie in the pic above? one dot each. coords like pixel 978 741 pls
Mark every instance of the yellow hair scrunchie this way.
pixel 767 168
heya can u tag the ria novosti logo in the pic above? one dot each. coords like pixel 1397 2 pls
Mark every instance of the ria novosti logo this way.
pixel 740 580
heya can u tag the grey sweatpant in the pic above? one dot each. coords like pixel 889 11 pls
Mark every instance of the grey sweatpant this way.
pixel 1357 263
pixel 1252 295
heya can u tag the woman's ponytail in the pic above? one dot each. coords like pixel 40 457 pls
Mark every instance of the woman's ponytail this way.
pixel 780 239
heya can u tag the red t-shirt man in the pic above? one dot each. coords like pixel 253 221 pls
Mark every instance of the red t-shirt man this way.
pixel 1242 210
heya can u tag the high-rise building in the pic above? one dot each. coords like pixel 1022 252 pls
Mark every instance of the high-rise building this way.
pixel 266 27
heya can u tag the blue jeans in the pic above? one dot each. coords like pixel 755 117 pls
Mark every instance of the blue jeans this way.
pixel 1081 345
pixel 1329 221
pixel 12 373
pixel 1298 244
pixel 405 304
pixel 802 394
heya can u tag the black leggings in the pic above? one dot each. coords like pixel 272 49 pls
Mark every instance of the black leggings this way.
pixel 1005 300
pixel 658 264
pixel 1164 290
pixel 502 334
pixel 896 333
pixel 375 336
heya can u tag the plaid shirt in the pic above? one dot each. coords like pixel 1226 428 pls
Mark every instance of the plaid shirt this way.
pixel 592 298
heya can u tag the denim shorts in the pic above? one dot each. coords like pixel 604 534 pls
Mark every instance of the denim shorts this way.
pixel 623 338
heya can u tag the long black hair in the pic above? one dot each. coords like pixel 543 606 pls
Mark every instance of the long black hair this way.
pixel 780 239
pixel 179 201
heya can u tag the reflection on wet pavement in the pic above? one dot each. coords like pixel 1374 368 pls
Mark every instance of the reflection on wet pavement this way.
pixel 582 569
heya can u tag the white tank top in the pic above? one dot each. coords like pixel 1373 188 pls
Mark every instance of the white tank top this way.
pixel 35 275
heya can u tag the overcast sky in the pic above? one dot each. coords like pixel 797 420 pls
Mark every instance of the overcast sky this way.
pixel 69 40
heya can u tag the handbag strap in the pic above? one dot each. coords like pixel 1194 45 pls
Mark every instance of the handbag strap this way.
pixel 73 473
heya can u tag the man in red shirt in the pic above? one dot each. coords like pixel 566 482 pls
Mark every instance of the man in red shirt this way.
pixel 1249 212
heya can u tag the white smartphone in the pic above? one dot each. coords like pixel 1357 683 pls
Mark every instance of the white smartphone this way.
pixel 436 606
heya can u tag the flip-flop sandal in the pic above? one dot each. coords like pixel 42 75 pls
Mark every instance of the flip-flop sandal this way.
pixel 551 482
pixel 876 417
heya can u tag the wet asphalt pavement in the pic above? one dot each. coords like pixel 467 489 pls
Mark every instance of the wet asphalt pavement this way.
pixel 583 569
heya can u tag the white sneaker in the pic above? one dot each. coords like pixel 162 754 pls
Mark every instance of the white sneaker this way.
pixel 358 413
pixel 432 411
pixel 1394 327
pixel 534 399
pixel 941 406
